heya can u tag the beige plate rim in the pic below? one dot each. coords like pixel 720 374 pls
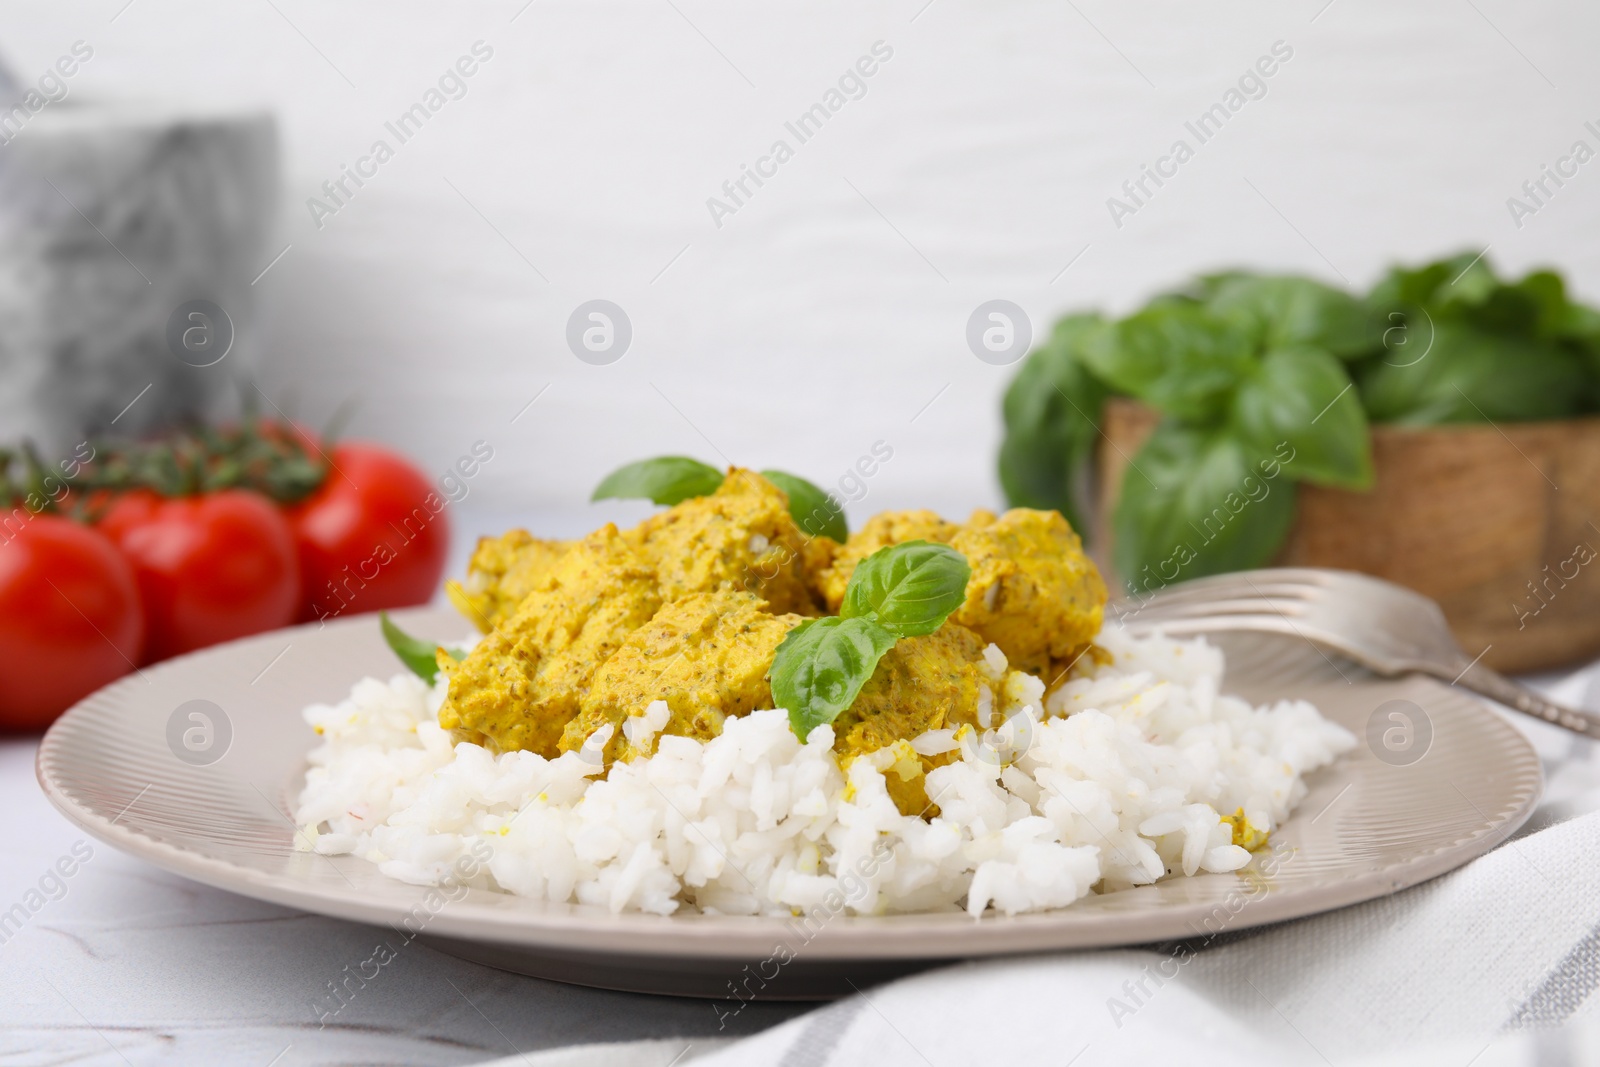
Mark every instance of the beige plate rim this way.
pixel 203 824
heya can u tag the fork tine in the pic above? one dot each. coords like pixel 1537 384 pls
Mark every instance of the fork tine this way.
pixel 1196 624
pixel 1298 575
pixel 1286 577
pixel 1291 583
pixel 1182 595
pixel 1375 623
pixel 1239 605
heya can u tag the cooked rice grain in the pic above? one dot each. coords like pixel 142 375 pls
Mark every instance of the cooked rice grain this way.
pixel 1119 779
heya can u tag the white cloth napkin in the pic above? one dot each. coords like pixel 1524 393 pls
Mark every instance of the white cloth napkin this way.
pixel 1491 964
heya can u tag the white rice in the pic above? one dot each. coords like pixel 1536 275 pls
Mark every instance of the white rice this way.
pixel 1119 779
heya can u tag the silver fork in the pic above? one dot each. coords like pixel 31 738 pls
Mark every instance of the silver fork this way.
pixel 1384 627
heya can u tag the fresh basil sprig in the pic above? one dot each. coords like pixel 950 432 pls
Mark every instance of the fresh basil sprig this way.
pixel 669 480
pixel 905 590
pixel 1186 474
pixel 664 480
pixel 1266 381
pixel 414 652
pixel 909 588
pixel 816 511
pixel 1300 395
pixel 821 666
pixel 1052 412
pixel 1256 377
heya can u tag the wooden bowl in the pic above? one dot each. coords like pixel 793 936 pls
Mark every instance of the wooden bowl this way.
pixel 1497 522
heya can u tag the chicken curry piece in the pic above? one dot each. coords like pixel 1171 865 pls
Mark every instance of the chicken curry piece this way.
pixel 707 655
pixel 739 537
pixel 521 685
pixel 690 606
pixel 921 684
pixel 1033 591
pixel 502 571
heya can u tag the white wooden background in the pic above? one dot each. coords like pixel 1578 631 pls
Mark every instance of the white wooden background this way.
pixel 829 312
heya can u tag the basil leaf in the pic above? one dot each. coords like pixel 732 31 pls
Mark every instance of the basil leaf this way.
pixel 1214 506
pixel 414 652
pixel 1431 283
pixel 1285 310
pixel 1052 422
pixel 821 666
pixel 900 591
pixel 909 589
pixel 1468 281
pixel 1304 397
pixel 1481 349
pixel 1469 375
pixel 1178 357
pixel 1207 286
pixel 1462 288
pixel 1533 307
pixel 816 511
pixel 665 480
pixel 1547 293
pixel 1579 330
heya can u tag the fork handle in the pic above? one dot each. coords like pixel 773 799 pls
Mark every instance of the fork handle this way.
pixel 1496 686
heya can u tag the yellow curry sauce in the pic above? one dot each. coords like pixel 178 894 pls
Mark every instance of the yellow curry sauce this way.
pixel 690 606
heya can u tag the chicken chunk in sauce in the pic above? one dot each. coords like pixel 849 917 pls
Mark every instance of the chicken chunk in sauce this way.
pixel 1034 591
pixel 707 655
pixel 501 573
pixel 740 537
pixel 521 685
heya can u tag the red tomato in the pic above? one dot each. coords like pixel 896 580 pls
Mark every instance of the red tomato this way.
pixel 210 568
pixel 373 536
pixel 70 620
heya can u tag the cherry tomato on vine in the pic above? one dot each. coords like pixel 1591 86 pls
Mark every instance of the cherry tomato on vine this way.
pixel 70 618
pixel 288 433
pixel 373 536
pixel 210 568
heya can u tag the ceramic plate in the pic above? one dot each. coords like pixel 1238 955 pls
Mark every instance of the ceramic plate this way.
pixel 1370 826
